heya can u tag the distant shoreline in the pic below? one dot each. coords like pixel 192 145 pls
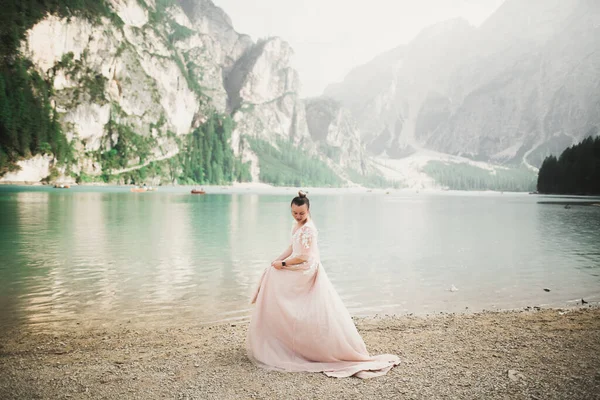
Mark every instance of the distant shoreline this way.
pixel 265 186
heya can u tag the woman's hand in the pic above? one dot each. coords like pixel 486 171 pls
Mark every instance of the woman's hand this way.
pixel 277 264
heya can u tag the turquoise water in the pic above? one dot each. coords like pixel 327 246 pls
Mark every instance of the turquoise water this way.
pixel 105 255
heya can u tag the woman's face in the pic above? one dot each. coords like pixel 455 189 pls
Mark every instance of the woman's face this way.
pixel 300 213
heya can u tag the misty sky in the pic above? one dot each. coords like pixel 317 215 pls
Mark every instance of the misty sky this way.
pixel 330 37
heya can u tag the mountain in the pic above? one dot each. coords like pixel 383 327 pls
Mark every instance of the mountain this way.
pixel 521 86
pixel 167 91
pixel 163 91
pixel 386 94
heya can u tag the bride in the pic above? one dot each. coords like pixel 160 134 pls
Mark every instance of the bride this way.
pixel 299 322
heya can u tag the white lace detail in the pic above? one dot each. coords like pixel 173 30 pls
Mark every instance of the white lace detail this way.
pixel 304 246
pixel 306 238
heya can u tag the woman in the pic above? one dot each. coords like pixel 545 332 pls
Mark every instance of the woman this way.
pixel 299 322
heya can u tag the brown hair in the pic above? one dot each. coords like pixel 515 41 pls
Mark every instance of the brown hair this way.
pixel 301 200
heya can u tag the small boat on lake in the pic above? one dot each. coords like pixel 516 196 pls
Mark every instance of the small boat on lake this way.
pixel 62 186
pixel 198 191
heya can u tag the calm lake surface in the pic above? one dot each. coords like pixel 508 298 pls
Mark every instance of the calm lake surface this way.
pixel 94 255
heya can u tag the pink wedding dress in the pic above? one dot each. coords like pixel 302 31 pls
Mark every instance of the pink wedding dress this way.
pixel 299 322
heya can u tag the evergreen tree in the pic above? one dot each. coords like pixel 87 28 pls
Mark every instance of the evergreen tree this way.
pixel 576 171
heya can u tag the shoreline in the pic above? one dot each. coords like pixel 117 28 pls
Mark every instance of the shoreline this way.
pixel 259 186
pixel 236 187
pixel 547 353
pixel 158 322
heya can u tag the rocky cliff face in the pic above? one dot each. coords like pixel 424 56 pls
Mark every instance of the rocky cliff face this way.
pixel 386 94
pixel 263 95
pixel 159 72
pixel 335 130
pixel 522 86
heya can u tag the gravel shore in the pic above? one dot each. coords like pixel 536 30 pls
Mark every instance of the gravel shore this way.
pixel 537 354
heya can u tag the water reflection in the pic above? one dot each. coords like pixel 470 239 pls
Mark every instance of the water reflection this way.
pixel 109 255
pixel 22 216
pixel 576 232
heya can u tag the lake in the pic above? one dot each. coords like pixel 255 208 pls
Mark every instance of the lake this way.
pixel 94 255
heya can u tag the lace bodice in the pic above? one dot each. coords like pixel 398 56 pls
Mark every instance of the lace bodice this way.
pixel 305 247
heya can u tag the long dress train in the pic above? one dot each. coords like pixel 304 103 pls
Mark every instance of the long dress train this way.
pixel 299 322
